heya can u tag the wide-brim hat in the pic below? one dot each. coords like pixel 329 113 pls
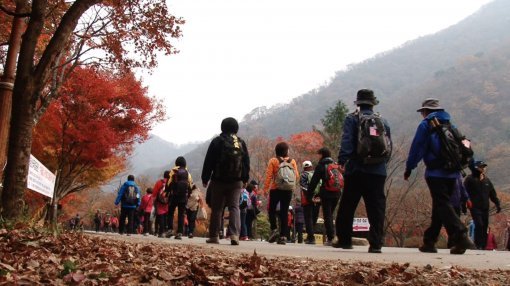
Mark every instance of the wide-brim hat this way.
pixel 366 96
pixel 430 104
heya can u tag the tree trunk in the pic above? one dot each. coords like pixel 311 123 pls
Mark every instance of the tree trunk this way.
pixel 18 158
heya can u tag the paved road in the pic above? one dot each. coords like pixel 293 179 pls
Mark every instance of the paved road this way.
pixel 475 259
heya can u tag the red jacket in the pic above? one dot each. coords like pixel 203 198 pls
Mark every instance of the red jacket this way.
pixel 161 209
pixel 147 202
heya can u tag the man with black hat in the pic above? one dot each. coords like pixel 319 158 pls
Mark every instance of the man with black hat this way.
pixel 480 190
pixel 226 168
pixel 364 171
pixel 426 146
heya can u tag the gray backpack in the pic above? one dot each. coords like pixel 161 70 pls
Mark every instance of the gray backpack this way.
pixel 285 176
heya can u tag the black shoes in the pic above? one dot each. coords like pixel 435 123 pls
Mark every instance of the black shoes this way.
pixel 427 248
pixel 214 240
pixel 178 236
pixel 273 236
pixel 374 249
pixel 462 244
pixel 336 244
pixel 282 240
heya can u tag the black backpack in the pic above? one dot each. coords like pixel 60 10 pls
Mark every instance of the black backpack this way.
pixel 230 166
pixel 180 183
pixel 374 145
pixel 456 151
pixel 130 195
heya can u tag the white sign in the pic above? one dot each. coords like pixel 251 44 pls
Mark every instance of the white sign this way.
pixel 40 179
pixel 360 224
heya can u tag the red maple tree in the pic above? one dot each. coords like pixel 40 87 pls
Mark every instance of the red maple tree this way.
pixel 88 132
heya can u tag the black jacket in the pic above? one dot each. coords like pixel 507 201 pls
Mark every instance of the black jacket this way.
pixel 212 158
pixel 480 191
pixel 320 174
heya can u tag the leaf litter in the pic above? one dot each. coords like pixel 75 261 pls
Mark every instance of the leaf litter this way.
pixel 29 257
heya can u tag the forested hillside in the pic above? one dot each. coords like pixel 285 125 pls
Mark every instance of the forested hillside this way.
pixel 466 66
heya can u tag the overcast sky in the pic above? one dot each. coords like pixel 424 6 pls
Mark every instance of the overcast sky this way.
pixel 236 55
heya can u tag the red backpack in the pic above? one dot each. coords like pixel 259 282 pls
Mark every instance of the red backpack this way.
pixel 334 181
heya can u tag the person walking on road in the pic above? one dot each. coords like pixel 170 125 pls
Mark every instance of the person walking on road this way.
pixel 364 152
pixel 281 179
pixel 179 186
pixel 480 190
pixel 146 209
pixel 129 197
pixel 441 180
pixel 226 170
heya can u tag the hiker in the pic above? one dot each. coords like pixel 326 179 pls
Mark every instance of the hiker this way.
pixel 161 199
pixel 179 185
pixel 364 167
pixel 97 220
pixel 192 206
pixel 253 209
pixel 299 220
pixel 145 209
pixel 441 180
pixel 310 208
pixel 281 180
pixel 226 170
pixel 114 223
pixel 329 196
pixel 107 222
pixel 480 190
pixel 129 197
pixel 244 203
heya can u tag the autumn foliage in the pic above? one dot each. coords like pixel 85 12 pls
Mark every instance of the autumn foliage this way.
pixel 89 131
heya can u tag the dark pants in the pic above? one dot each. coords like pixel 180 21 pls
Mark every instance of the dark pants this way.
pixel 244 231
pixel 481 221
pixel 328 207
pixel 181 212
pixel 128 213
pixel 311 213
pixel 442 212
pixel 371 188
pixel 97 224
pixel 224 194
pixel 282 197
pixel 250 217
pixel 147 222
pixel 299 231
pixel 192 218
pixel 161 223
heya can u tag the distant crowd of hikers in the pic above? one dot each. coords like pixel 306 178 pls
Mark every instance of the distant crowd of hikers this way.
pixel 294 198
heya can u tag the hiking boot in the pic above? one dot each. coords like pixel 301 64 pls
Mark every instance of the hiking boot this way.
pixel 145 234
pixel 178 236
pixel 427 248
pixel 234 241
pixel 336 244
pixel 214 240
pixel 169 233
pixel 328 242
pixel 273 236
pixel 374 250
pixel 282 240
pixel 462 244
pixel 221 235
pixel 300 240
pixel 310 241
pixel 190 235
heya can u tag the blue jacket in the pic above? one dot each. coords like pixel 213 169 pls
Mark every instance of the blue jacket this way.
pixel 426 146
pixel 120 195
pixel 349 144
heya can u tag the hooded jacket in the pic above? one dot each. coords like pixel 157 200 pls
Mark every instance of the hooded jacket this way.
pixel 426 146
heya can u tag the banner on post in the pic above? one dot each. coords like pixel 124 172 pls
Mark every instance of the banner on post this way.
pixel 40 179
